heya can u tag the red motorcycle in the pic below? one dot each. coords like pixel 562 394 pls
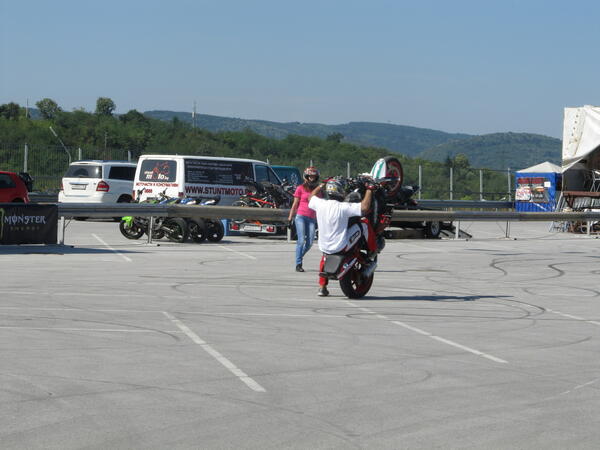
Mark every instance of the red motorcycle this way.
pixel 354 267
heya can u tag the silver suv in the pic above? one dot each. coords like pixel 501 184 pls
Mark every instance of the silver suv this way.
pixel 98 182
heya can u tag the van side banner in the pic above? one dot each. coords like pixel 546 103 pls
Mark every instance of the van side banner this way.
pixel 28 223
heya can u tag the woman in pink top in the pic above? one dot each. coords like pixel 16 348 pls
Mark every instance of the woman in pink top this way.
pixel 306 218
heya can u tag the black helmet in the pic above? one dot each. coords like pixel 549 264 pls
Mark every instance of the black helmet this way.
pixel 334 189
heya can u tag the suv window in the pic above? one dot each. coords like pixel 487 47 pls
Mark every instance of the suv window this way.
pixel 158 170
pixel 122 173
pixel 208 171
pixel 84 171
pixel 6 181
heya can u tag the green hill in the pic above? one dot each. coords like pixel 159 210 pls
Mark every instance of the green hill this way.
pixel 500 150
pixel 399 138
pixel 494 151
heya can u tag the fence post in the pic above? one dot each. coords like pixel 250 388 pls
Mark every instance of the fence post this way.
pixel 508 183
pixel 420 182
pixel 25 158
pixel 348 169
pixel 128 155
pixel 80 155
pixel 451 184
pixel 480 185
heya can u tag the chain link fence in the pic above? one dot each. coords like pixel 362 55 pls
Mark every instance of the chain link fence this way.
pixel 47 165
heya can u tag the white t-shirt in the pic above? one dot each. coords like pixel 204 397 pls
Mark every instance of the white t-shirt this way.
pixel 332 219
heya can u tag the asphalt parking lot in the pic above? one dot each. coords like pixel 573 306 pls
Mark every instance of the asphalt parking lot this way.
pixel 486 343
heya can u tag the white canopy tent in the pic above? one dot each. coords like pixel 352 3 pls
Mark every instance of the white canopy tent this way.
pixel 581 134
pixel 581 146
pixel 545 167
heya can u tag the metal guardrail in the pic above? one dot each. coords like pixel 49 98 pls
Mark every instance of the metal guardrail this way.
pixel 481 204
pixel 280 215
pixel 39 197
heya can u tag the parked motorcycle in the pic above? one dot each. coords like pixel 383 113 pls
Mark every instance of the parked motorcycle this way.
pixel 202 229
pixel 174 228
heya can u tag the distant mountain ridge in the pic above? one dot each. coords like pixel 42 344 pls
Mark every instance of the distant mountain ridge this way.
pixel 500 150
pixel 494 151
pixel 398 138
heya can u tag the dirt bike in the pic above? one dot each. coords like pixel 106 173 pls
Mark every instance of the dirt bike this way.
pixel 354 267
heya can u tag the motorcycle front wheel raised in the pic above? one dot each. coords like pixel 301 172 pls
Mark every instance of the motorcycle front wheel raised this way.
pixel 354 284
pixel 132 231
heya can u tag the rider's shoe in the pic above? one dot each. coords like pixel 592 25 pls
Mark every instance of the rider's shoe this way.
pixel 299 268
pixel 323 292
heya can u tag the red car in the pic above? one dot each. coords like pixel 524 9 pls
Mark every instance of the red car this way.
pixel 14 188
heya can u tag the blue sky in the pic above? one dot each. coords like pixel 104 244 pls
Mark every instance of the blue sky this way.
pixel 459 66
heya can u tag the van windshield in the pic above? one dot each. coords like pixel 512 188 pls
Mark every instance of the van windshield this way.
pixel 163 170
pixel 206 171
pixel 83 171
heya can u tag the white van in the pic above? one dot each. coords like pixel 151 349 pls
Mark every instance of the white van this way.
pixel 207 176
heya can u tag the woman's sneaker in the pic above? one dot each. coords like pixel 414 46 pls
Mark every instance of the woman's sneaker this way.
pixel 323 292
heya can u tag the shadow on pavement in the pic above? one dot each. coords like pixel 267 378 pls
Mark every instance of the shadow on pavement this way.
pixel 56 250
pixel 434 298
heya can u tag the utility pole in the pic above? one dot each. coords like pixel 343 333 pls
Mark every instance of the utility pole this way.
pixel 194 116
pixel 61 143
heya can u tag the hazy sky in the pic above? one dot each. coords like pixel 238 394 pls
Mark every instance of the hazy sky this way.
pixel 460 66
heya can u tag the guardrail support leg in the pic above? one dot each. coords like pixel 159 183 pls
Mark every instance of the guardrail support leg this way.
pixel 507 235
pixel 150 229
pixel 62 231
pixel 589 228
pixel 457 230
pixel 289 234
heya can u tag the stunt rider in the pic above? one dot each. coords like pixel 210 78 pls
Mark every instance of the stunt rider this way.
pixel 332 218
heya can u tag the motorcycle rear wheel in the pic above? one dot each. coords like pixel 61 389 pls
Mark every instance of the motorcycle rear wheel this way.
pixel 197 230
pixel 354 285
pixel 176 230
pixel 214 230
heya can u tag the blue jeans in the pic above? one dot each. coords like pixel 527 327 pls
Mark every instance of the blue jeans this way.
pixel 305 229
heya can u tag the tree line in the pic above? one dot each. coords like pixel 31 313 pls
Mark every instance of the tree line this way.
pixel 102 130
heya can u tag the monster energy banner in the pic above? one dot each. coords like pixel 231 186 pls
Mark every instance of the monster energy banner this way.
pixel 28 224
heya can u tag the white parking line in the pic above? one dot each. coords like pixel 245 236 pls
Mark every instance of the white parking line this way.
pixel 239 253
pixel 570 316
pixel 112 249
pixel 215 354
pixel 432 336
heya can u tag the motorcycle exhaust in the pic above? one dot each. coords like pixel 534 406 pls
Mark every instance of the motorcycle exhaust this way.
pixel 369 269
